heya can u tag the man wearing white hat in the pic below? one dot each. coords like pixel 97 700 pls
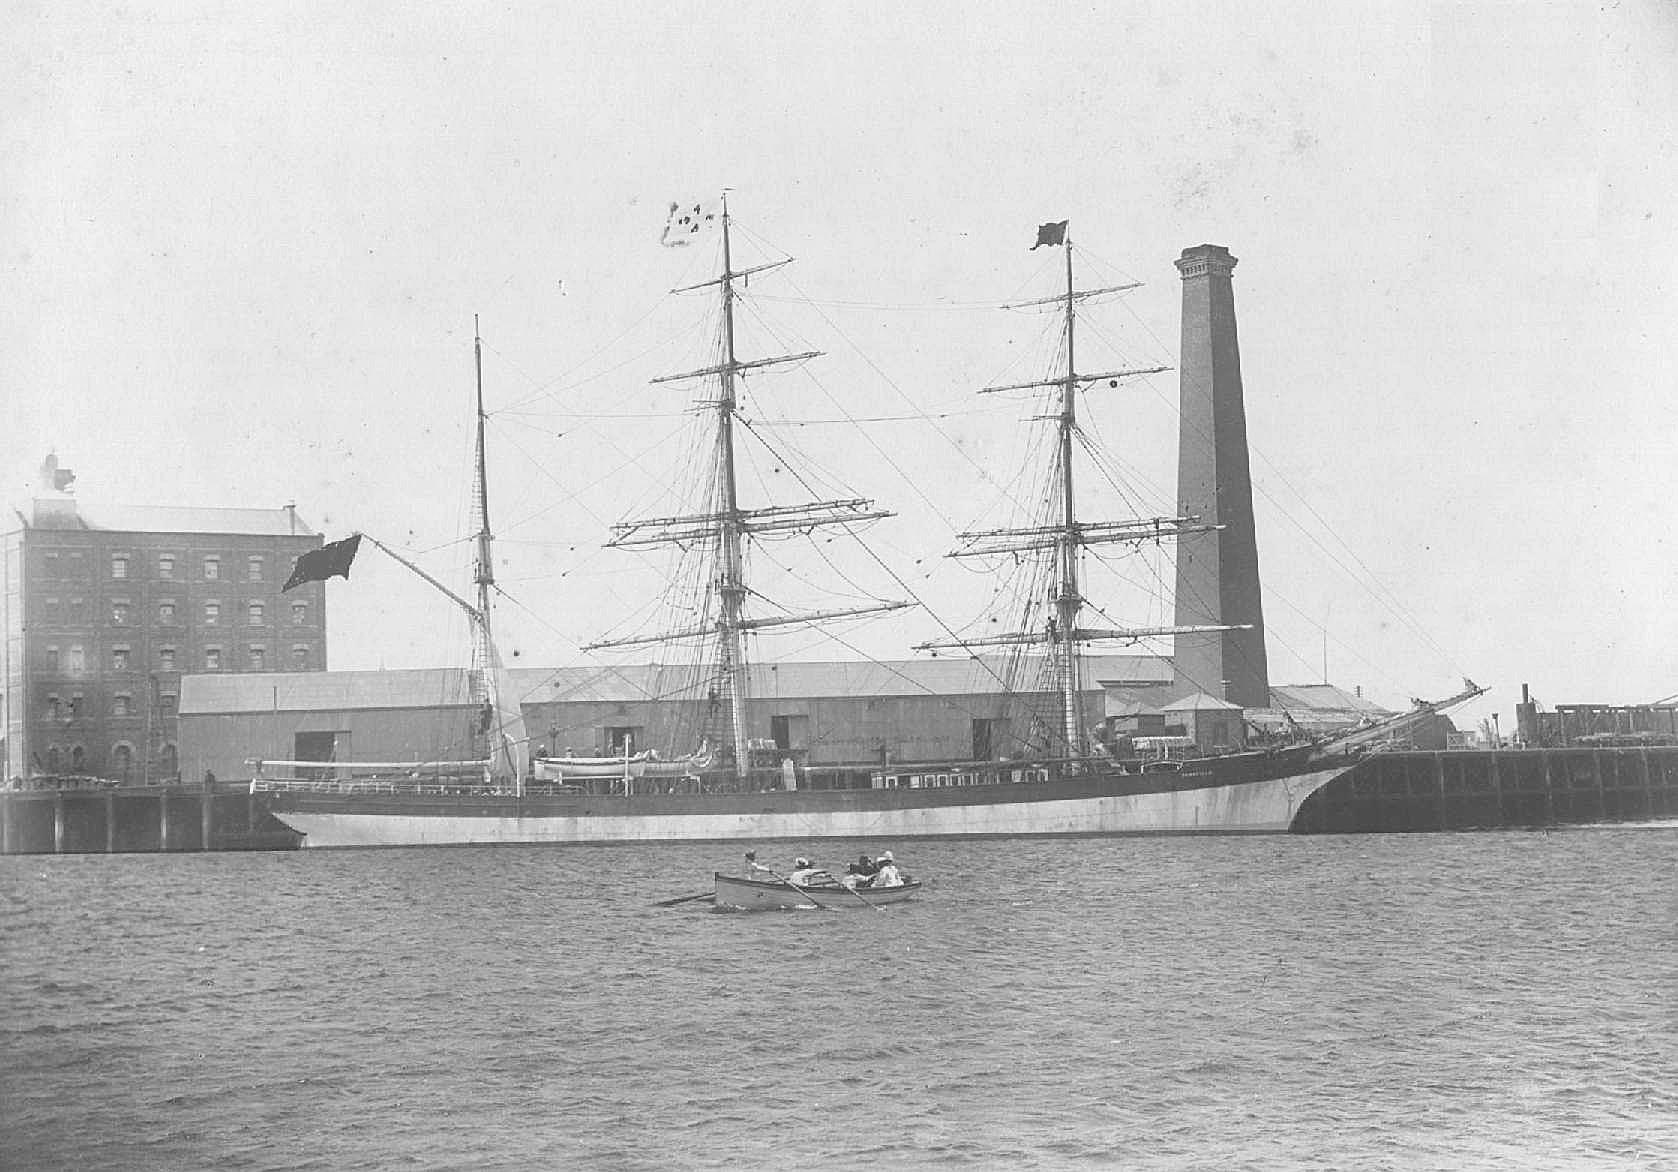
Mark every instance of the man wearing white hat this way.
pixel 887 875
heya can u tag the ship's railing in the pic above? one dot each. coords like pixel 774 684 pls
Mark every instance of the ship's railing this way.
pixel 944 776
pixel 383 770
pixel 375 785
pixel 390 777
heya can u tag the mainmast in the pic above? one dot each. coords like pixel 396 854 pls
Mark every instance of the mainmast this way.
pixel 726 527
pixel 731 575
pixel 1065 538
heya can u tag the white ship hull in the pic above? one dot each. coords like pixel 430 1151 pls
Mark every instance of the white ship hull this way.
pixel 1251 807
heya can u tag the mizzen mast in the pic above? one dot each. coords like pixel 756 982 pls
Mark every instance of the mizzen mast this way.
pixel 1066 536
pixel 483 569
pixel 726 526
pixel 503 736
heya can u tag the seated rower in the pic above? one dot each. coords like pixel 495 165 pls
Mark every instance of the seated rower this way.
pixel 888 875
pixel 860 873
pixel 807 874
pixel 755 869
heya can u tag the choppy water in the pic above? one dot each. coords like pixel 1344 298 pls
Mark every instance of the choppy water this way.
pixel 1448 1001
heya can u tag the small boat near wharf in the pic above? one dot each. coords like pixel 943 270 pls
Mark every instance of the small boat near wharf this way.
pixel 764 895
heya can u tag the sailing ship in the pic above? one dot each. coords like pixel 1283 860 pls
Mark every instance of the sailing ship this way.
pixel 1064 784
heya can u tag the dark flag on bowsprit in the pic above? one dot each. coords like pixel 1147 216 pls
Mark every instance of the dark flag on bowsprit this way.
pixel 1050 234
pixel 330 560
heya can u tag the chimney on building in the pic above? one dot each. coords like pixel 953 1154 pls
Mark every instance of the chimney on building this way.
pixel 1218 572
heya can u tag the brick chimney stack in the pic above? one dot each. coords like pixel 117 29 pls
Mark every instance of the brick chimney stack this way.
pixel 1217 573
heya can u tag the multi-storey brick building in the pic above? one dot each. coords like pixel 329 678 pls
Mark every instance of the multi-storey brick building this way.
pixel 105 608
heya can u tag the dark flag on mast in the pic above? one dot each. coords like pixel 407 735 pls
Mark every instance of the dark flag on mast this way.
pixel 1050 234
pixel 330 560
pixel 687 222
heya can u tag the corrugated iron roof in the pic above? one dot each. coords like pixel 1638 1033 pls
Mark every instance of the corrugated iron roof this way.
pixel 904 677
pixel 1322 697
pixel 170 519
pixel 75 513
pixel 317 691
pixel 434 687
pixel 1201 702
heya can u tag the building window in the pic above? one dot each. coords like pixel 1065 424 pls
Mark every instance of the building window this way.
pixel 122 704
pixel 166 613
pixel 78 759
pixel 212 567
pixel 49 610
pixel 122 758
pixel 78 611
pixel 212 659
pixel 76 705
pixel 257 656
pixel 50 566
pixel 253 567
pixel 165 565
pixel 78 660
pixel 119 565
pixel 119 659
pixel 166 703
pixel 299 613
pixel 255 612
pixel 121 612
pixel 52 707
pixel 300 657
pixel 52 659
pixel 52 759
pixel 166 659
pixel 212 613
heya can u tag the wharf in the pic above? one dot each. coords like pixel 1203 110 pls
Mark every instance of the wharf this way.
pixel 141 818
pixel 1479 789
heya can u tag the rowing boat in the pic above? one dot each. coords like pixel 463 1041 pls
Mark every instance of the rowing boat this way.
pixel 754 895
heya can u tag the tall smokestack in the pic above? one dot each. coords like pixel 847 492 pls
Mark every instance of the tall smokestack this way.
pixel 1217 573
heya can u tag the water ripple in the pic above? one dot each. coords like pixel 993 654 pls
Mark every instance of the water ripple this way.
pixel 1403 1002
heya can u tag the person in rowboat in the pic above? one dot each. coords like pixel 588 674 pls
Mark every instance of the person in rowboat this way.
pixel 807 874
pixel 860 873
pixel 888 875
pixel 755 869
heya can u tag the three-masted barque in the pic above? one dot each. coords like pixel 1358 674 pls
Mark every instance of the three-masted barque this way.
pixel 1064 784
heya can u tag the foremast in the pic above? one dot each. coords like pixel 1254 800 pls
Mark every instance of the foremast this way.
pixel 727 527
pixel 1065 536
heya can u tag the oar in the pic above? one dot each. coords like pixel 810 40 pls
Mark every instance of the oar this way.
pixel 819 903
pixel 685 899
pixel 864 898
pixel 801 890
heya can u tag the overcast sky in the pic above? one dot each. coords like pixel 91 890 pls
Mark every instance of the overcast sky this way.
pixel 242 248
